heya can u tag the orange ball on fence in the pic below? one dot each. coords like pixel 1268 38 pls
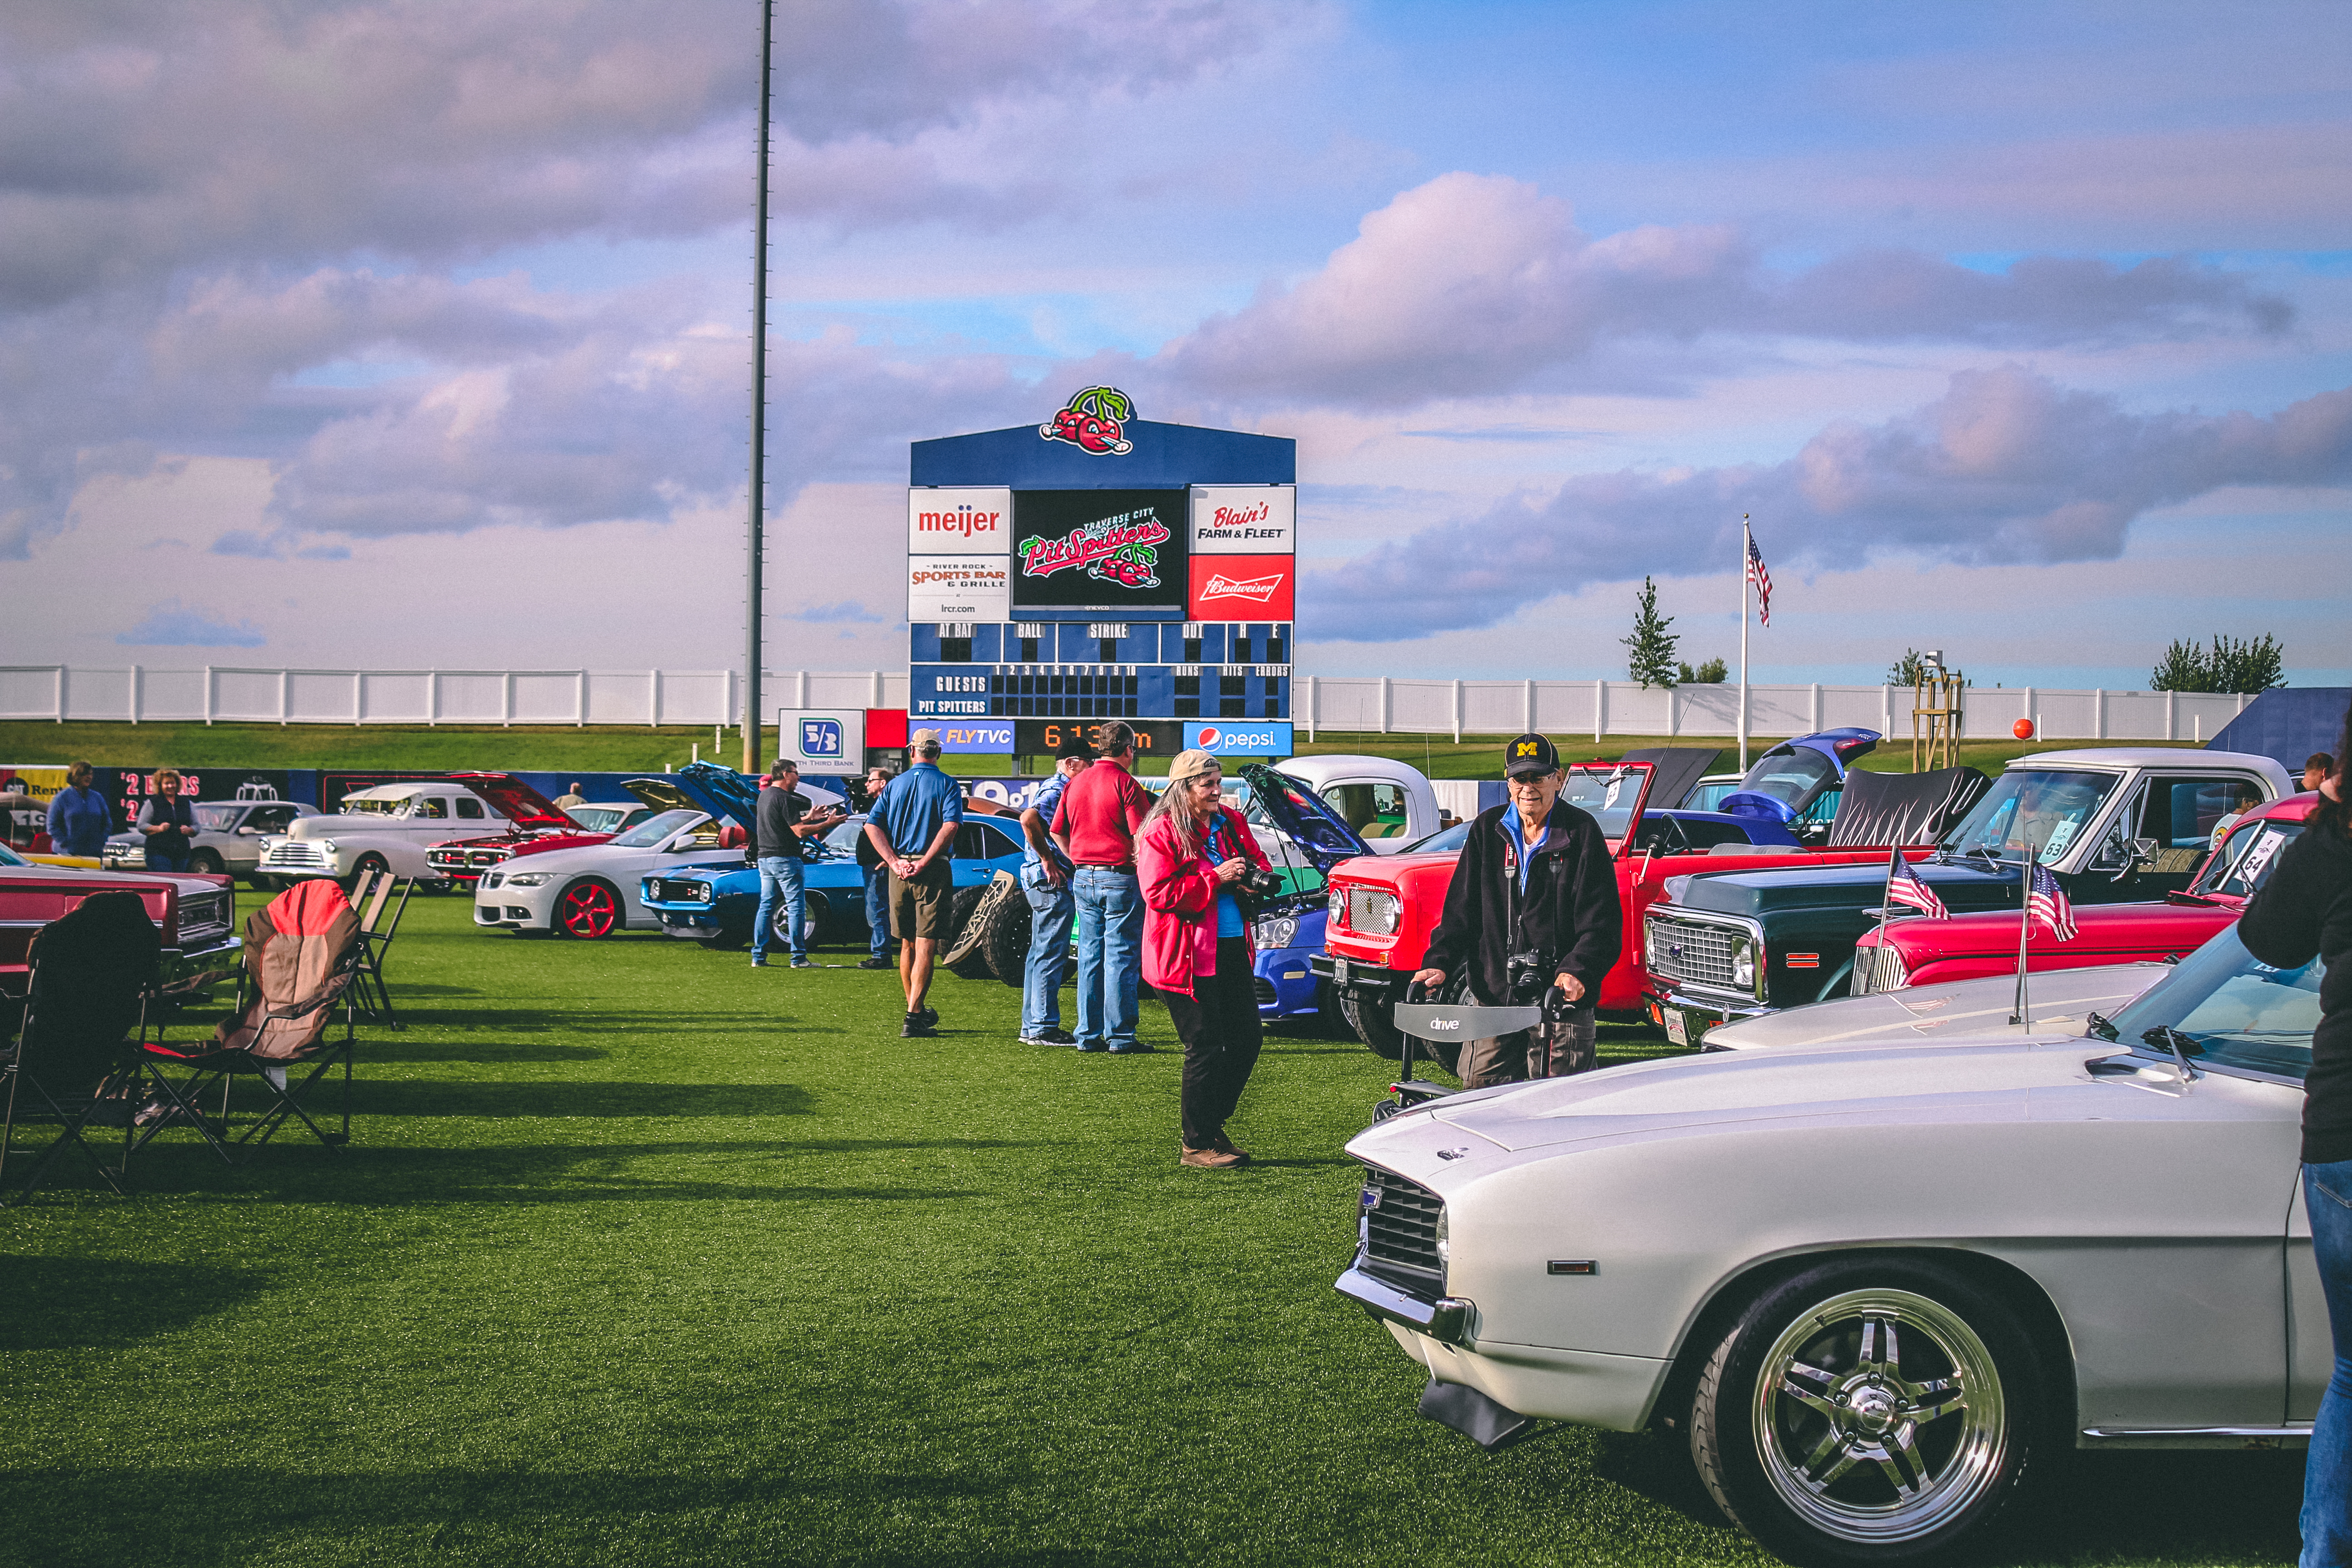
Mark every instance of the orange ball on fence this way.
pixel 2022 729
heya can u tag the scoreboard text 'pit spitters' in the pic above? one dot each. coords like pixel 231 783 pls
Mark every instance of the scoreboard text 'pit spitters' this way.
pixel 1100 566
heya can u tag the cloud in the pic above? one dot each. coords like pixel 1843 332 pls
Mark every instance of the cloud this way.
pixel 841 610
pixel 2006 467
pixel 1474 285
pixel 174 625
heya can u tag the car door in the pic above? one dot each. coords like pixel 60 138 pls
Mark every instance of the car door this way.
pixel 2164 833
pixel 2310 1348
pixel 241 850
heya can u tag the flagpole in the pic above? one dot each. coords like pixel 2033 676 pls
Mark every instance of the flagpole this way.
pixel 1885 908
pixel 2024 1013
pixel 1747 543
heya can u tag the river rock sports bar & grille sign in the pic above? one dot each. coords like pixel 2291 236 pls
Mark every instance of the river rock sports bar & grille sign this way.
pixel 1098 566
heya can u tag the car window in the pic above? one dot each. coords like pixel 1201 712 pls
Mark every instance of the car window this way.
pixel 378 807
pixel 1445 841
pixel 1787 774
pixel 10 857
pixel 469 807
pixel 1607 793
pixel 2052 806
pixel 2248 857
pixel 2182 813
pixel 432 805
pixel 845 837
pixel 216 816
pixel 2232 1009
pixel 983 841
pixel 1373 810
pixel 649 834
pixel 269 818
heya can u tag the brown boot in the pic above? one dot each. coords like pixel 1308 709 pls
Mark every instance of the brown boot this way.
pixel 1225 1145
pixel 1209 1159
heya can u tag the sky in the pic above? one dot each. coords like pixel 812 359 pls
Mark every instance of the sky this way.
pixel 398 333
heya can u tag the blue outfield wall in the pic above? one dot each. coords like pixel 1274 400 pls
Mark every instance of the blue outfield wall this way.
pixel 2288 724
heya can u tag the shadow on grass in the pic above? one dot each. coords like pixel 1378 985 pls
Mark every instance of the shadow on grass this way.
pixel 2152 1507
pixel 441 1097
pixel 100 1304
pixel 577 1017
pixel 407 1047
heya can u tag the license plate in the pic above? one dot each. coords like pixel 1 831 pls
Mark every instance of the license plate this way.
pixel 1675 1029
pixel 1339 971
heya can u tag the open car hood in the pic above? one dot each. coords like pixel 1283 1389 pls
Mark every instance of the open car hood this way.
pixel 683 792
pixel 522 805
pixel 1321 833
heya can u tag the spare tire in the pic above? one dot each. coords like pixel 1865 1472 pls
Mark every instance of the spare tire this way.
pixel 1005 939
pixel 973 966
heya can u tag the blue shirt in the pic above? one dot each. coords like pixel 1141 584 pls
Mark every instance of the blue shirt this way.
pixel 914 807
pixel 1229 908
pixel 80 821
pixel 1048 799
pixel 1527 851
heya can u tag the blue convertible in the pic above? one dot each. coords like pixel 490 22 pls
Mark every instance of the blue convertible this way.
pixel 715 905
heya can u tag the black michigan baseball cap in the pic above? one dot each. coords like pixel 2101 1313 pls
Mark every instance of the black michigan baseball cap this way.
pixel 1530 754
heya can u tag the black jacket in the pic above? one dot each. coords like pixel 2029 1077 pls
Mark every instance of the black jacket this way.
pixel 2305 910
pixel 1571 913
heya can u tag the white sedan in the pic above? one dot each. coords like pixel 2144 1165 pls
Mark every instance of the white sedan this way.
pixel 592 892
pixel 1867 1273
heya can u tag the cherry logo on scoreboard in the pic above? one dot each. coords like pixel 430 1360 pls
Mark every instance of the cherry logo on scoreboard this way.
pixel 1095 420
pixel 1241 587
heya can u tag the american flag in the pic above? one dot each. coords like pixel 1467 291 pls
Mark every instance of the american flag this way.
pixel 2047 903
pixel 1763 581
pixel 1905 887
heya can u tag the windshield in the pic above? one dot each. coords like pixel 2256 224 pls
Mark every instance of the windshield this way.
pixel 2234 1009
pixel 2247 859
pixel 2051 806
pixel 10 857
pixel 649 833
pixel 374 808
pixel 1445 841
pixel 1607 793
pixel 845 837
pixel 217 818
pixel 1789 774
pixel 599 818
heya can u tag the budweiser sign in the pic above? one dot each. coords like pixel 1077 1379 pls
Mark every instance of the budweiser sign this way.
pixel 1262 589
pixel 1241 587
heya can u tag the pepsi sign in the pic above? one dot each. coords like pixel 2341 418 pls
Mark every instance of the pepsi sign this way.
pixel 1236 739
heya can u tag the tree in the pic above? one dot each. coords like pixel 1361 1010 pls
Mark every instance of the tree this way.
pixel 2231 664
pixel 1711 673
pixel 1908 670
pixel 1652 647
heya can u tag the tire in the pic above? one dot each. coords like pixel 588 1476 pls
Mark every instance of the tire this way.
pixel 1007 940
pixel 361 866
pixel 1375 1024
pixel 780 931
pixel 590 909
pixel 1807 1430
pixel 205 861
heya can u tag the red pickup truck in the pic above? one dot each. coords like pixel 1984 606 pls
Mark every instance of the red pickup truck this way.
pixel 1384 908
pixel 1913 949
pixel 196 912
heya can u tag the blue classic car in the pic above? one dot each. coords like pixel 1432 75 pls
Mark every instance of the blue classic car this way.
pixel 715 906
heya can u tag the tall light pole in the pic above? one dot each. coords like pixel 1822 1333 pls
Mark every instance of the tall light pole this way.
pixel 759 404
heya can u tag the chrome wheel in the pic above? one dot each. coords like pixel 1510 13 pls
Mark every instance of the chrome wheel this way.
pixel 1878 1417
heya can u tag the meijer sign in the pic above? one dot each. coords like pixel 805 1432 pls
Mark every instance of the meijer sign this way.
pixel 965 521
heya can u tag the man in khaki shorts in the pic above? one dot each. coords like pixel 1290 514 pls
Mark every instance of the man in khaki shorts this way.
pixel 912 826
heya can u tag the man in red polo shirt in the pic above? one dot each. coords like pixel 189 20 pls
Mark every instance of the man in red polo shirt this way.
pixel 1095 825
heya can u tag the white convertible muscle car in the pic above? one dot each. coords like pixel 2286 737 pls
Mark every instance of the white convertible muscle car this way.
pixel 1869 1272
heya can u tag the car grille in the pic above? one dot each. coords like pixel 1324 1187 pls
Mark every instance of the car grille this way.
pixel 1265 989
pixel 1690 952
pixel 680 890
pixel 478 858
pixel 1368 911
pixel 1878 969
pixel 204 918
pixel 1400 1228
pixel 294 852
pixel 445 859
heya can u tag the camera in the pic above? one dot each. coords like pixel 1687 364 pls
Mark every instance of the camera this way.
pixel 1262 885
pixel 1529 975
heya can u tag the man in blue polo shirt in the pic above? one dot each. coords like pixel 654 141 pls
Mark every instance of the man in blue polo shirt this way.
pixel 912 827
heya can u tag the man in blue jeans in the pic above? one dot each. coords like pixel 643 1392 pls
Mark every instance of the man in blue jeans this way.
pixel 877 880
pixel 1094 825
pixel 1046 882
pixel 784 819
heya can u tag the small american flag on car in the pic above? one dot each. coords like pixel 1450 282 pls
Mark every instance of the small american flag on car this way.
pixel 2047 902
pixel 1763 581
pixel 1905 887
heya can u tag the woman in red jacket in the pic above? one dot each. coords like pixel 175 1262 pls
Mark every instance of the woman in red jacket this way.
pixel 1197 950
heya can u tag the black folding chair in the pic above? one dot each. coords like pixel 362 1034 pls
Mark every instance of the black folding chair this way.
pixel 374 996
pixel 76 1061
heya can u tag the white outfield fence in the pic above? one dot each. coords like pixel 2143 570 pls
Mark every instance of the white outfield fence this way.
pixel 247 695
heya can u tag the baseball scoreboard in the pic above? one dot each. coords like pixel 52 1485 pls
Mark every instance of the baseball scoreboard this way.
pixel 1101 567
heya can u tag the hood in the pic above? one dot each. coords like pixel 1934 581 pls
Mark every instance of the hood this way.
pixel 1961 1080
pixel 1304 817
pixel 1839 748
pixel 1961 884
pixel 327 826
pixel 1940 1014
pixel 520 804
pixel 716 792
pixel 1679 769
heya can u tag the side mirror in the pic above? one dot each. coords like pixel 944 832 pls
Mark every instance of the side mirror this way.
pixel 2146 850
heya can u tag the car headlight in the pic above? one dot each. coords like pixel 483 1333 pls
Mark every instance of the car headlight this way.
pixel 1338 907
pixel 527 878
pixel 1278 930
pixel 1743 963
pixel 326 847
pixel 1445 1240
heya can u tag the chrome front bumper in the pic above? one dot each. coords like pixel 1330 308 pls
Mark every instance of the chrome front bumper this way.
pixel 1446 1320
pixel 1690 1017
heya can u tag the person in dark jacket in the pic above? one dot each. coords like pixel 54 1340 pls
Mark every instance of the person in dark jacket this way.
pixel 2305 911
pixel 167 822
pixel 1535 876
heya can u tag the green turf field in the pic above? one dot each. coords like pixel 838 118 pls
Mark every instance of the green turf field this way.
pixel 640 1255
pixel 446 747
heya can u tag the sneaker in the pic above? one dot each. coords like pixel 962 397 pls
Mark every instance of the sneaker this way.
pixel 1225 1145
pixel 917 1029
pixel 1054 1037
pixel 876 964
pixel 928 1015
pixel 1209 1159
pixel 803 963
pixel 1132 1049
pixel 758 962
pixel 1092 1045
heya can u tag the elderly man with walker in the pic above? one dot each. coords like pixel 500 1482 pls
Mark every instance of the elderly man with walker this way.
pixel 1533 906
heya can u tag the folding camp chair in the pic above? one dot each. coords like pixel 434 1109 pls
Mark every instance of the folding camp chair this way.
pixel 75 1062
pixel 304 961
pixel 374 996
